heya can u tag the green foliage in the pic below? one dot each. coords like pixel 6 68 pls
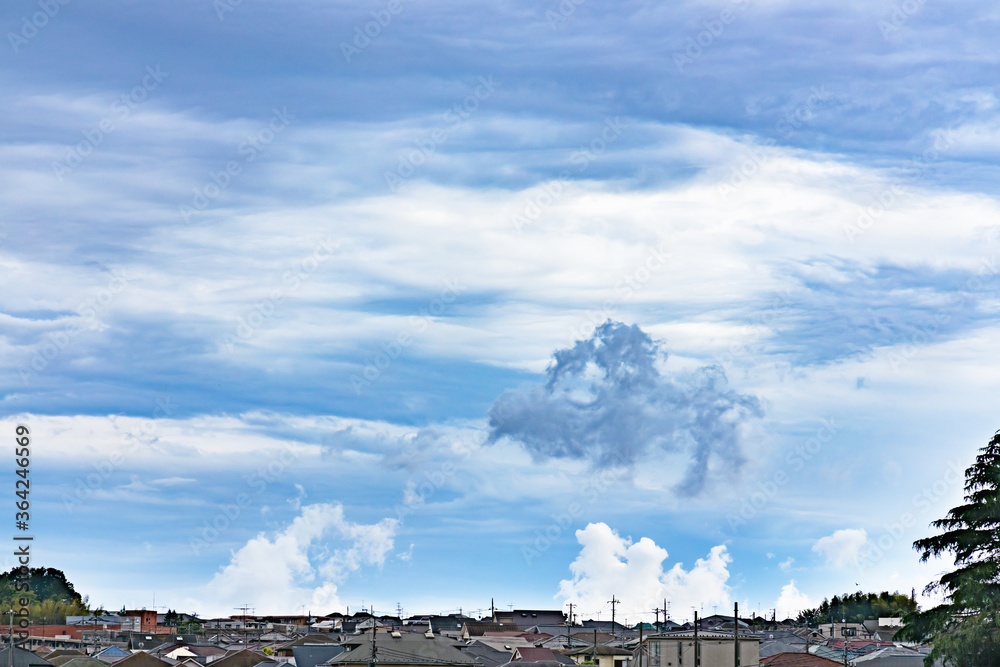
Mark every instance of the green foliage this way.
pixel 965 629
pixel 51 597
pixel 858 607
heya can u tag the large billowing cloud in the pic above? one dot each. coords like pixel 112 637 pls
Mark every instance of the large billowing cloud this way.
pixel 611 565
pixel 792 601
pixel 605 399
pixel 302 564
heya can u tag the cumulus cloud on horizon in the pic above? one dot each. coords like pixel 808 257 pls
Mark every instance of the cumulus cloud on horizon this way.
pixel 302 564
pixel 604 399
pixel 609 564
pixel 792 601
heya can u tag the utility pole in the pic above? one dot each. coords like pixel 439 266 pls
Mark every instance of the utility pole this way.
pixel 697 648
pixel 593 657
pixel 657 612
pixel 371 663
pixel 613 602
pixel 736 634
pixel 640 642
pixel 569 627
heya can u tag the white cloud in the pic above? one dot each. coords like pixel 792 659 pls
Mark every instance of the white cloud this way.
pixel 633 571
pixel 786 564
pixel 843 547
pixel 792 601
pixel 283 572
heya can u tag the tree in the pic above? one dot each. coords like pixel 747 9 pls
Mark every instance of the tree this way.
pixel 51 597
pixel 858 607
pixel 965 628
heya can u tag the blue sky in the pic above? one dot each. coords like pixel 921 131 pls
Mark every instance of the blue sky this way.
pixel 537 302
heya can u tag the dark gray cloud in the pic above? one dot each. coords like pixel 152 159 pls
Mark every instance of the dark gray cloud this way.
pixel 604 399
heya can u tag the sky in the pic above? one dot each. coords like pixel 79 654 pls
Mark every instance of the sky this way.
pixel 323 306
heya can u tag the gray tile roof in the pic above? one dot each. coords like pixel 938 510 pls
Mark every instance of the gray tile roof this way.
pixel 23 658
pixel 312 656
pixel 407 649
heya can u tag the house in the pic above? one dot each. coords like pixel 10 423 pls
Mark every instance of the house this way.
pixel 503 642
pixel 146 619
pixel 838 630
pixel 607 627
pixel 797 659
pixel 61 660
pixel 537 655
pixel 527 617
pixel 22 658
pixel 313 655
pixel 139 641
pixel 487 656
pixel 883 629
pixel 141 659
pixel 84 661
pixel 716 649
pixel 601 655
pixel 577 639
pixel 479 628
pixel 241 658
pixel 111 654
pixel 286 649
pixel 398 649
pixel 891 656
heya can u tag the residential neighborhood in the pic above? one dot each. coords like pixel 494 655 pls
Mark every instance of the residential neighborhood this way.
pixel 513 638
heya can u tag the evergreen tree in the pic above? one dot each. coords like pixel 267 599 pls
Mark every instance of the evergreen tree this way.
pixel 965 629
